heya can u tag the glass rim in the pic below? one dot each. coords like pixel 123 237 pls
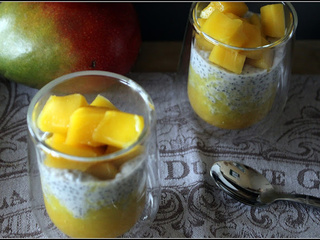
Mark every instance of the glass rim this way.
pixel 149 124
pixel 288 35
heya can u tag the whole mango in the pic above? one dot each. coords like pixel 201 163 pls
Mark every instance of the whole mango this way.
pixel 40 41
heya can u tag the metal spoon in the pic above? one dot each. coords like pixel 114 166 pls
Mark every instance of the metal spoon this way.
pixel 250 187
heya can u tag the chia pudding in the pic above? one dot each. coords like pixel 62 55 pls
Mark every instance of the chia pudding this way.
pixel 229 100
pixel 81 205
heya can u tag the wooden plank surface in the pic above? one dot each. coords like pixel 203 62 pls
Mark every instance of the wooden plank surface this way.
pixel 164 57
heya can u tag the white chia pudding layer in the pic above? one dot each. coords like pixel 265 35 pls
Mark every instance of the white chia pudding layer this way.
pixel 253 85
pixel 80 192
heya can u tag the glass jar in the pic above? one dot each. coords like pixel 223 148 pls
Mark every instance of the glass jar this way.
pixel 244 103
pixel 71 201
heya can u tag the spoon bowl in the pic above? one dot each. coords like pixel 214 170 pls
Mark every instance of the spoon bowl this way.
pixel 250 187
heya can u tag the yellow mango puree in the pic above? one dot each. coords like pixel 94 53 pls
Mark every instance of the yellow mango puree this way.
pixel 107 222
pixel 218 113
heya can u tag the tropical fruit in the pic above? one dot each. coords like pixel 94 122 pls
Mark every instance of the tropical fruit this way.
pixel 233 24
pixel 55 116
pixel 83 122
pixel 225 29
pixel 89 130
pixel 227 58
pixel 41 41
pixel 238 8
pixel 201 42
pixel 272 20
pixel 101 101
pixel 118 129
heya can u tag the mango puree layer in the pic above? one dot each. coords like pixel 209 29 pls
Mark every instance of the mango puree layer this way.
pixel 108 222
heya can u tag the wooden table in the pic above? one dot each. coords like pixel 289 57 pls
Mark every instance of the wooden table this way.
pixel 164 57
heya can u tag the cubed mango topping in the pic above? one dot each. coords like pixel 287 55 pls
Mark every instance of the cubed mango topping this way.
pixel 89 130
pixel 255 20
pixel 227 58
pixel 265 61
pixel 83 122
pixel 231 23
pixel 58 142
pixel 272 20
pixel 225 29
pixel 201 42
pixel 253 35
pixel 237 8
pixel 101 101
pixel 103 171
pixel 55 115
pixel 62 163
pixel 118 129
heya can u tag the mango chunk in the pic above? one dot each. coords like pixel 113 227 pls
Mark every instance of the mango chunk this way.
pixel 253 34
pixel 227 58
pixel 58 142
pixel 237 8
pixel 62 163
pixel 83 122
pixel 201 42
pixel 265 62
pixel 55 115
pixel 273 20
pixel 101 101
pixel 206 12
pixel 255 20
pixel 121 159
pixel 103 171
pixel 86 123
pixel 225 29
pixel 119 129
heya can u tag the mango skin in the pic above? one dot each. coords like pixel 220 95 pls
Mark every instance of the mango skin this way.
pixel 40 41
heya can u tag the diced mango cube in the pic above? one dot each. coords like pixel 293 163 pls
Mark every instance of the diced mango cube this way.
pixel 83 122
pixel 206 12
pixel 62 163
pixel 273 20
pixel 227 58
pixel 255 20
pixel 225 29
pixel 55 115
pixel 119 129
pixel 252 54
pixel 121 159
pixel 101 101
pixel 58 142
pixel 237 8
pixel 103 171
pixel 266 60
pixel 201 42
pixel 253 35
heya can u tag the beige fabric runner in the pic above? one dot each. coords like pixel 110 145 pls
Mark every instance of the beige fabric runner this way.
pixel 191 206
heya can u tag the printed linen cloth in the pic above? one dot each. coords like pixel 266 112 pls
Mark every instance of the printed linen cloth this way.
pixel 191 206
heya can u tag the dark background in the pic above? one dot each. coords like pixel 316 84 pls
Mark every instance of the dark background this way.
pixel 166 21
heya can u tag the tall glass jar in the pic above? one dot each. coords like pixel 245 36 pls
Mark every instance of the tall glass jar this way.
pixel 68 196
pixel 245 102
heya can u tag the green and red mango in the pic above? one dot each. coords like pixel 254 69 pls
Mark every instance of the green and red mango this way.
pixel 40 41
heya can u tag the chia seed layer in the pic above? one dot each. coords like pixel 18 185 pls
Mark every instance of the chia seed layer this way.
pixel 80 192
pixel 237 91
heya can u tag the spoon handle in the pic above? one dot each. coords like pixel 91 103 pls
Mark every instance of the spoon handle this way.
pixel 301 198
